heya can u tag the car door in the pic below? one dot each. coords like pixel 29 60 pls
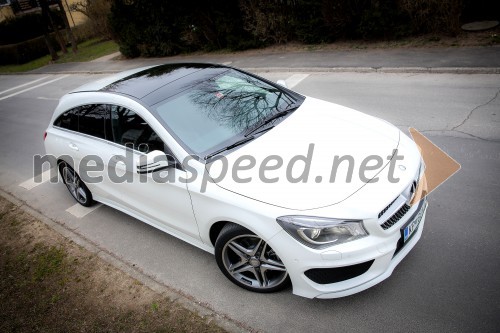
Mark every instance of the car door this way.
pixel 159 196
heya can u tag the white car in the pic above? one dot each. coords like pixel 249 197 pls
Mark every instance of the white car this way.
pixel 280 187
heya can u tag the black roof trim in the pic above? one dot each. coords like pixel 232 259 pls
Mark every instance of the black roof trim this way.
pixel 145 82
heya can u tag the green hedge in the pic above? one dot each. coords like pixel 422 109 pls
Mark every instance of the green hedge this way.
pixel 21 38
pixel 23 52
pixel 28 26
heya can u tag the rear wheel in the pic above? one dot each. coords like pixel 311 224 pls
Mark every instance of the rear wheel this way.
pixel 248 261
pixel 75 185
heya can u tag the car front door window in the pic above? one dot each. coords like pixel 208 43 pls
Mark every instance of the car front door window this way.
pixel 130 130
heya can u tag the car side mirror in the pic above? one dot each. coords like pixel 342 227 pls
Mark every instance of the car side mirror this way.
pixel 153 161
pixel 282 83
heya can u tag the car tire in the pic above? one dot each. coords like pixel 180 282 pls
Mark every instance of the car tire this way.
pixel 248 261
pixel 75 185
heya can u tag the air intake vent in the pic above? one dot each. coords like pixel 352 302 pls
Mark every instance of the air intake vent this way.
pixel 337 274
pixel 386 208
pixel 396 217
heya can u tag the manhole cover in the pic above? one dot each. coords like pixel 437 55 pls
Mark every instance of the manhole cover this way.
pixel 479 26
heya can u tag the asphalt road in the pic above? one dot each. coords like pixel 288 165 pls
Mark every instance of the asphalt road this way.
pixel 451 280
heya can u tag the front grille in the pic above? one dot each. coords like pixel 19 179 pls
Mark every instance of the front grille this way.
pixel 337 274
pixel 396 217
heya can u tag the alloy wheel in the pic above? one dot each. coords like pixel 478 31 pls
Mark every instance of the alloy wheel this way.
pixel 251 261
pixel 74 185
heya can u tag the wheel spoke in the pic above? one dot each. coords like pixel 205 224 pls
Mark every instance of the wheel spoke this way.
pixel 245 268
pixel 236 268
pixel 241 251
pixel 269 267
pixel 262 251
pixel 264 279
pixel 272 262
pixel 71 187
pixel 82 196
pixel 68 176
pixel 257 247
pixel 257 277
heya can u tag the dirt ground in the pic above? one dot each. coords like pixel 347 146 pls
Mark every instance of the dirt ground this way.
pixel 50 284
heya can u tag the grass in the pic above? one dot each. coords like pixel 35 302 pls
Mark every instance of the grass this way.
pixel 50 284
pixel 88 50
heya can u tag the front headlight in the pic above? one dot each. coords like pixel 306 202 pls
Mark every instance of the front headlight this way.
pixel 321 232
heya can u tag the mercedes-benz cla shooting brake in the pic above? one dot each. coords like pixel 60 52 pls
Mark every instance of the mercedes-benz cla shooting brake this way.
pixel 282 188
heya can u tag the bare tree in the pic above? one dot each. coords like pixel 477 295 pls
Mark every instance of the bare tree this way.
pixel 97 11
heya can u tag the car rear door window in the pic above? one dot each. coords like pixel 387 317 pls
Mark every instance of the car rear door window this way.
pixel 92 120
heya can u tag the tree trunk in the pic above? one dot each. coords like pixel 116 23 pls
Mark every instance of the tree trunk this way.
pixel 46 36
pixel 60 40
pixel 74 46
pixel 53 52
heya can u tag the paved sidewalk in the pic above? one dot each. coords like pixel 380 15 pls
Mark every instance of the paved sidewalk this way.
pixel 444 60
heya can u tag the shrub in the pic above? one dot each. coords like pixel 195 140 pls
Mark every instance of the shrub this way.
pixel 269 21
pixel 383 19
pixel 309 22
pixel 147 28
pixel 163 28
pixel 219 24
pixel 433 15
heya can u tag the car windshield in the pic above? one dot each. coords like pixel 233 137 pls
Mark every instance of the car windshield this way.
pixel 217 112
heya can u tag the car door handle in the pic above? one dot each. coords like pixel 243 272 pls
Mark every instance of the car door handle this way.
pixel 73 146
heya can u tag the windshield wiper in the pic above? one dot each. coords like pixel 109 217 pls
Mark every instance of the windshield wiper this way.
pixel 231 146
pixel 268 120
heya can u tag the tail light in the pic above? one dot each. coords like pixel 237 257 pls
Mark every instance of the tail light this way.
pixel 44 135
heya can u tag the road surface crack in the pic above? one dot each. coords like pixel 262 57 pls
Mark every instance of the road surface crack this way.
pixel 477 107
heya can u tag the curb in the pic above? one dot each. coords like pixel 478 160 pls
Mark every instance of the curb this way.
pixel 186 301
pixel 394 70
pixel 428 70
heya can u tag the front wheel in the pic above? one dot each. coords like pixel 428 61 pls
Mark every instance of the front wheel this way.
pixel 75 185
pixel 248 261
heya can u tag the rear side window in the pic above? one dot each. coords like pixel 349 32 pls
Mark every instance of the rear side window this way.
pixel 68 120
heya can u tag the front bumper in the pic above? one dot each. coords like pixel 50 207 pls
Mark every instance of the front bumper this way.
pixel 383 251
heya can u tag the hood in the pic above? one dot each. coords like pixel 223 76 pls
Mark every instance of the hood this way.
pixel 311 159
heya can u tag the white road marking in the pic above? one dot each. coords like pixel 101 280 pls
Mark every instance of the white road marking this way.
pixel 31 183
pixel 22 85
pixel 227 63
pixel 48 98
pixel 80 211
pixel 34 87
pixel 295 79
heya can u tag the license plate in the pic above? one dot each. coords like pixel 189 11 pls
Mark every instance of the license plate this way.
pixel 413 225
